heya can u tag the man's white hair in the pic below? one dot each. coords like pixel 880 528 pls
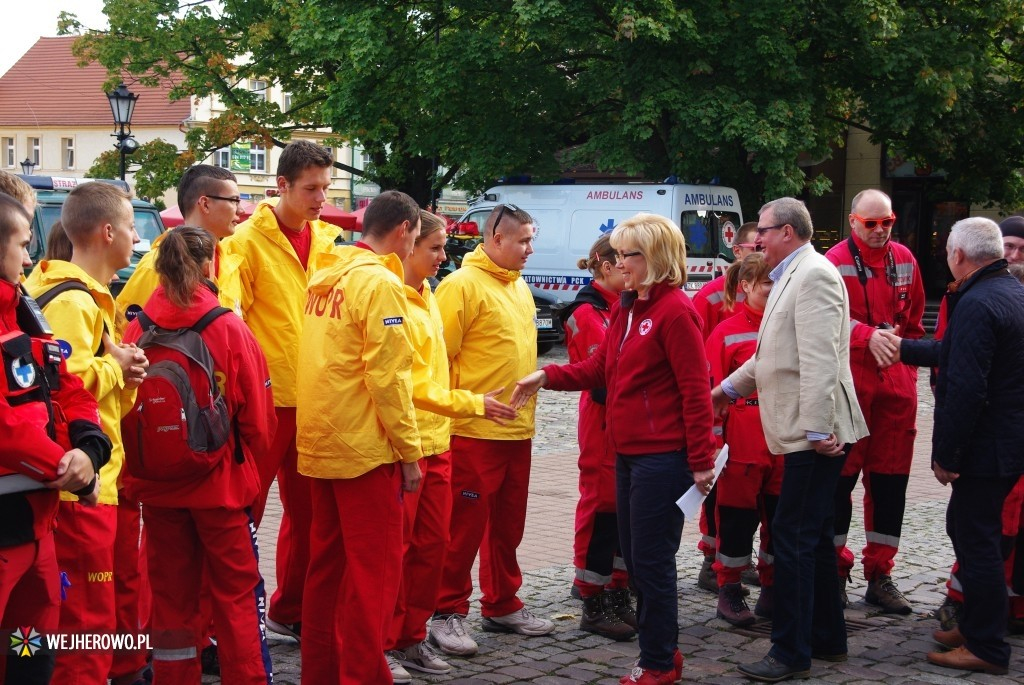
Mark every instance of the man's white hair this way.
pixel 978 238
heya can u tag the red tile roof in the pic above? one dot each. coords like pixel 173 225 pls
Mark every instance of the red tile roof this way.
pixel 46 87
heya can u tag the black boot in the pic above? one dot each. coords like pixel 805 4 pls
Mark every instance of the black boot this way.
pixel 597 620
pixel 620 602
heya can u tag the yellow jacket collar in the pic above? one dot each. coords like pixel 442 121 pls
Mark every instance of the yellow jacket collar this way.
pixel 49 273
pixel 479 259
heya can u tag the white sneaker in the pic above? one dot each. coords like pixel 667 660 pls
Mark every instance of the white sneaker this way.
pixel 398 674
pixel 421 657
pixel 448 634
pixel 522 622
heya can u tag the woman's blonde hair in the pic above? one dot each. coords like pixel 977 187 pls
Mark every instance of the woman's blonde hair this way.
pixel 429 223
pixel 752 269
pixel 661 243
pixel 600 252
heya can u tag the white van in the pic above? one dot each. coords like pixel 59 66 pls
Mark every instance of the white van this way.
pixel 569 218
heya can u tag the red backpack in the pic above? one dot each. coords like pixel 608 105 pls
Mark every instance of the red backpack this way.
pixel 180 422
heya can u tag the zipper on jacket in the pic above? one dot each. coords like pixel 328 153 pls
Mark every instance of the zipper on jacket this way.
pixel 629 324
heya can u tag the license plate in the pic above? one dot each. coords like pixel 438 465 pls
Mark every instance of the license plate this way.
pixel 544 323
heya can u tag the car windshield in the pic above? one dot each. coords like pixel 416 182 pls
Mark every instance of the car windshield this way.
pixel 147 225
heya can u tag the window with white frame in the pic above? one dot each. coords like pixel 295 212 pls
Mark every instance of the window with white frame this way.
pixel 367 159
pixel 7 147
pixel 67 148
pixel 286 102
pixel 222 158
pixel 257 159
pixel 330 151
pixel 259 87
pixel 35 150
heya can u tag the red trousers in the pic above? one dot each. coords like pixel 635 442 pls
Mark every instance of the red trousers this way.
pixel 132 597
pixel 296 519
pixel 354 575
pixel 596 553
pixel 85 552
pixel 747 495
pixel 183 546
pixel 888 400
pixel 490 485
pixel 428 512
pixel 1013 529
pixel 29 596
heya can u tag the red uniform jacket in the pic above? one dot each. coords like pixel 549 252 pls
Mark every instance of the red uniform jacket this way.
pixel 733 342
pixel 710 302
pixel 31 443
pixel 244 380
pixel 585 328
pixel 652 362
pixel 897 301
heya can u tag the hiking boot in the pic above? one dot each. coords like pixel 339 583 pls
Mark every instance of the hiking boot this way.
pixel 882 592
pixel 949 613
pixel 599 618
pixel 732 607
pixel 398 673
pixel 707 579
pixel 750 576
pixel 622 606
pixel 765 602
pixel 522 622
pixel 844 601
pixel 209 660
pixel 448 634
pixel 293 630
pixel 421 657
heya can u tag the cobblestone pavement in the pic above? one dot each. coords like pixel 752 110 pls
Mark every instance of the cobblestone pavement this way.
pixel 882 649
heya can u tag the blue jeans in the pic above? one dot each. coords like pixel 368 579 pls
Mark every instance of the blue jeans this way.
pixel 650 525
pixel 810 617
pixel 974 524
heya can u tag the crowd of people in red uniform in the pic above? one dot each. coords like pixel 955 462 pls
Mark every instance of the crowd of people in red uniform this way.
pixel 390 417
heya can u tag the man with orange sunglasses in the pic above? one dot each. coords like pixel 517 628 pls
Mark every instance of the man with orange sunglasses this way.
pixel 886 293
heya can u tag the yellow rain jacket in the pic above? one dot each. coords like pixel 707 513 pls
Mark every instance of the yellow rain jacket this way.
pixel 271 290
pixel 488 315
pixel 144 281
pixel 78 319
pixel 434 399
pixel 355 380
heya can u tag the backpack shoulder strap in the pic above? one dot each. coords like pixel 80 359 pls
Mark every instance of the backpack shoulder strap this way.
pixel 63 287
pixel 209 318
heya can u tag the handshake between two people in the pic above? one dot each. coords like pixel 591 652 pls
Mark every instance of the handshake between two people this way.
pixel 885 346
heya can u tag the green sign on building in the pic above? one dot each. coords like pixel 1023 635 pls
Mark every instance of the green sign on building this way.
pixel 240 157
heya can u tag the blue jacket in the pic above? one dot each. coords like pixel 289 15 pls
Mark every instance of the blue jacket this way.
pixel 979 397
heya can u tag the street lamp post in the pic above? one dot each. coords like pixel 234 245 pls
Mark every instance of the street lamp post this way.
pixel 122 106
pixel 27 166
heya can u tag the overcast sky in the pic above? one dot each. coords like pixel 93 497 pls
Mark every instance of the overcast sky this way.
pixel 27 20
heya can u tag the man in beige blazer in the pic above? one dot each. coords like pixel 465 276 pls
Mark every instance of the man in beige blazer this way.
pixel 809 412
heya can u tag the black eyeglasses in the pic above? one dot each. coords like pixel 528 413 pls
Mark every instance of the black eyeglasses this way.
pixel 509 206
pixel 621 256
pixel 761 230
pixel 235 200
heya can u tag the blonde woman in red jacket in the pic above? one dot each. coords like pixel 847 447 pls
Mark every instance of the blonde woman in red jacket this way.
pixel 206 522
pixel 659 423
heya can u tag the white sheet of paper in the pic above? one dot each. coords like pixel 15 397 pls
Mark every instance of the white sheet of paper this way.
pixel 693 498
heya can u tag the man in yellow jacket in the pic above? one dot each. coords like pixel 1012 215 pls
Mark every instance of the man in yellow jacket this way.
pixel 489 329
pixel 279 246
pixel 208 197
pixel 358 442
pixel 100 223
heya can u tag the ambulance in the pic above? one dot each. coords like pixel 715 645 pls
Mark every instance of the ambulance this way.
pixel 570 217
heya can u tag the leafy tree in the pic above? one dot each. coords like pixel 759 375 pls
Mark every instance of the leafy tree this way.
pixel 160 167
pixel 467 91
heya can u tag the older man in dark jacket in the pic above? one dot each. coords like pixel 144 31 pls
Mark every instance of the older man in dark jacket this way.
pixel 976 446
